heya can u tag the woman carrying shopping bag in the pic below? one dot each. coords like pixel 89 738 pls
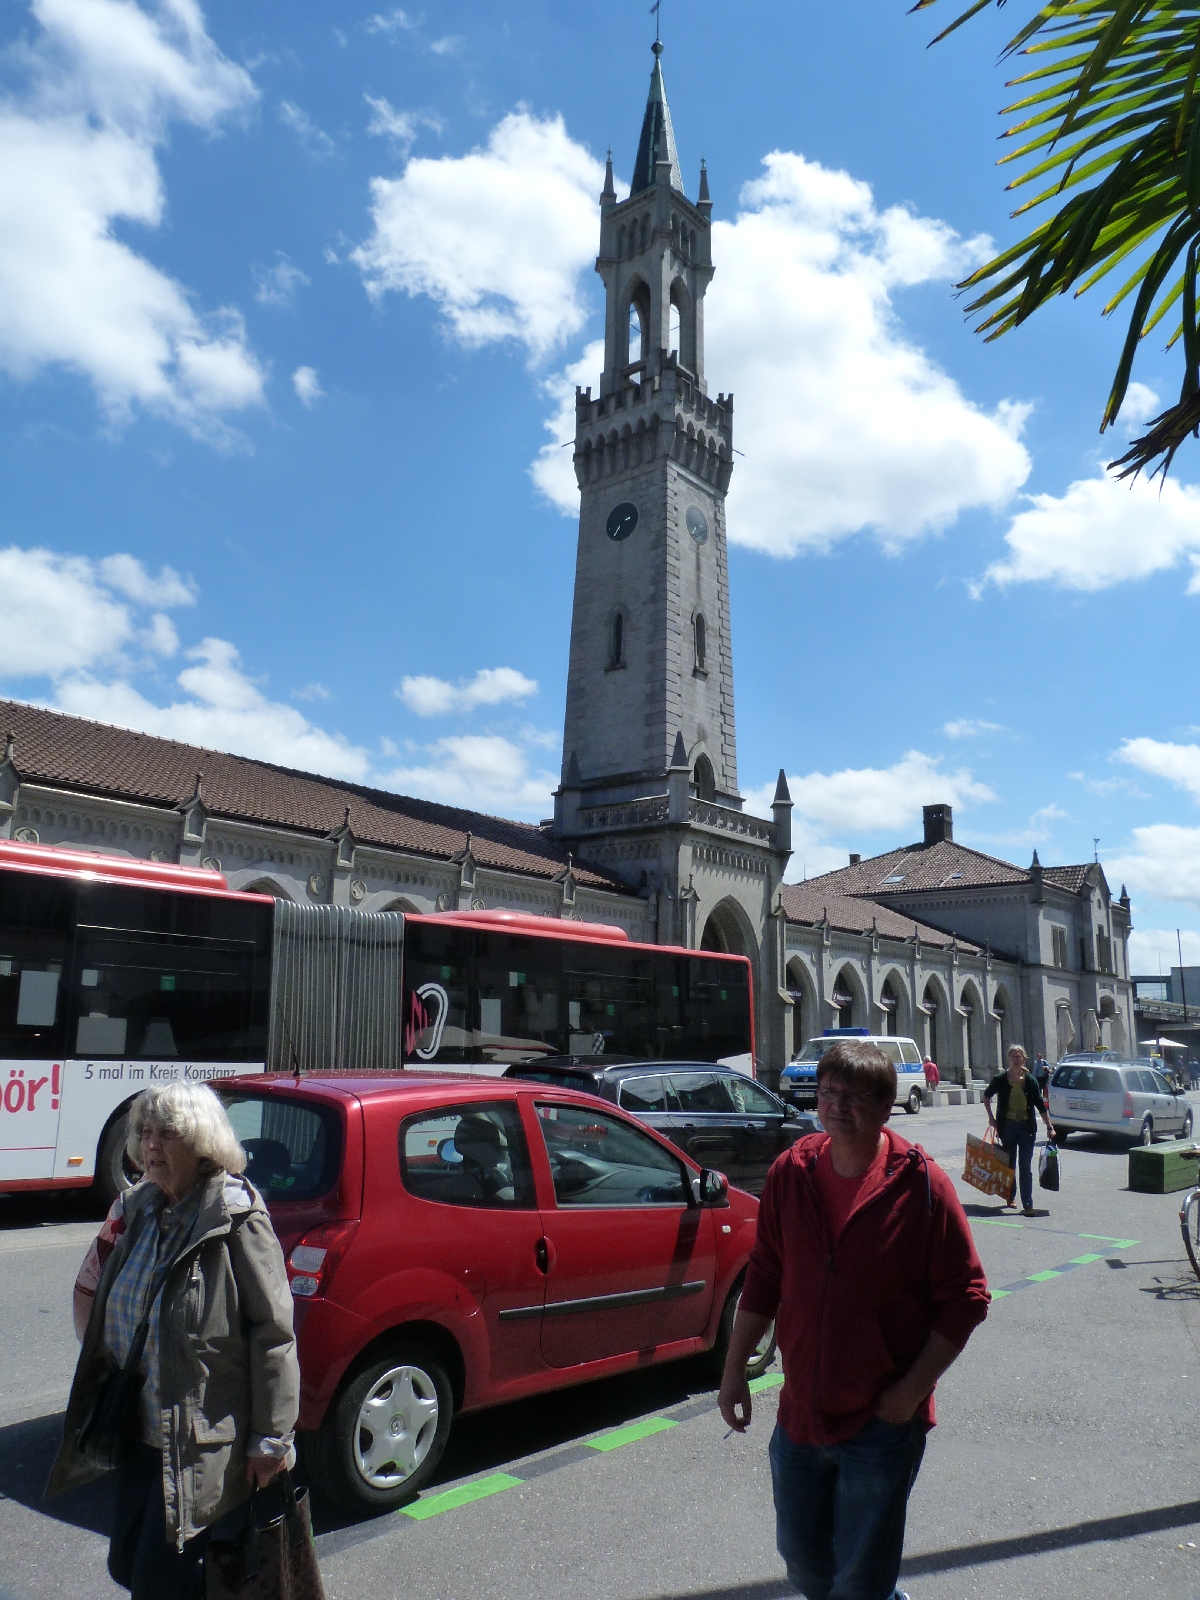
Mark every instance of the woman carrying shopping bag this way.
pixel 1018 1105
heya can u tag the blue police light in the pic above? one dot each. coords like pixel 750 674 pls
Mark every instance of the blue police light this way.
pixel 846 1033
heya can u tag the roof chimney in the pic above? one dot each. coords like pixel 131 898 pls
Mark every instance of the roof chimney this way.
pixel 855 858
pixel 939 824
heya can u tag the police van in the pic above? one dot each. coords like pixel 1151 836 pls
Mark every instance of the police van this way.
pixel 798 1081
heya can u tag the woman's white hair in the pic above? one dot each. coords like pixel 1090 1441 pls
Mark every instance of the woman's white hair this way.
pixel 193 1112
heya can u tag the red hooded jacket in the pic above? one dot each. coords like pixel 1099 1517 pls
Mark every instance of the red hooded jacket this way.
pixel 853 1316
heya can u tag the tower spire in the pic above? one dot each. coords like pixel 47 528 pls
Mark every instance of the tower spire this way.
pixel 657 142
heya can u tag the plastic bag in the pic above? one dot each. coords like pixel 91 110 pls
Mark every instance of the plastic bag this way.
pixel 985 1167
pixel 1048 1167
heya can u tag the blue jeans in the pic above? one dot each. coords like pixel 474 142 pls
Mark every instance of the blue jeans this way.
pixel 1018 1139
pixel 840 1509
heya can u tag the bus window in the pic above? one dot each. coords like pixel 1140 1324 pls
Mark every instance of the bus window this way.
pixel 437 988
pixel 35 921
pixel 518 980
pixel 610 1001
pixel 164 977
pixel 702 1009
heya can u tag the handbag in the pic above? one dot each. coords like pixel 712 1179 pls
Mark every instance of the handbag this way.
pixel 1048 1167
pixel 985 1167
pixel 275 1560
pixel 112 1423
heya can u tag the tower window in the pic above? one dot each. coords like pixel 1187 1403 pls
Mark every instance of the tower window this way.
pixel 703 778
pixel 616 640
pixel 635 333
pixel 700 630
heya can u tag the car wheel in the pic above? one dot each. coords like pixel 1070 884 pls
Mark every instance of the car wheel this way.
pixel 913 1103
pixel 1146 1136
pixel 1186 1131
pixel 763 1353
pixel 384 1436
pixel 114 1173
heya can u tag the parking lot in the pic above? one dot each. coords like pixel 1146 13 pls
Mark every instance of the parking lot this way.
pixel 1064 1462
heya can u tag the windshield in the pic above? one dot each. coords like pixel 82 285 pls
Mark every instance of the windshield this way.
pixel 813 1050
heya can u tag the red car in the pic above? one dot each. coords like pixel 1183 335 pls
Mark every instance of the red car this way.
pixel 456 1242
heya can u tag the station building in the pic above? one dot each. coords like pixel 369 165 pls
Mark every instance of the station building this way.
pixel 960 950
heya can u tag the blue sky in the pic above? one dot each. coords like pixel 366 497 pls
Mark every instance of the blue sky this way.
pixel 291 297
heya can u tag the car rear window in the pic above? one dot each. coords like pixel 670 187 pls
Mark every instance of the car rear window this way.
pixel 293 1147
pixel 643 1094
pixel 1100 1080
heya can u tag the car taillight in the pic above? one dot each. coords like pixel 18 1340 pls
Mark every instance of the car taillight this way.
pixel 1127 1109
pixel 313 1262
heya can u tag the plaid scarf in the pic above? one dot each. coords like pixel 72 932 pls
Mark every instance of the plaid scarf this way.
pixel 164 1234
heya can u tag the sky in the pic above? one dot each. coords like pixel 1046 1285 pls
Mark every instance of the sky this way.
pixel 293 302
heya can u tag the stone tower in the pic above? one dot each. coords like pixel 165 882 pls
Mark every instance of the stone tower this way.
pixel 649 776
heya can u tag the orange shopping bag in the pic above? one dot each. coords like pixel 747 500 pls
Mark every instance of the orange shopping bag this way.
pixel 985 1167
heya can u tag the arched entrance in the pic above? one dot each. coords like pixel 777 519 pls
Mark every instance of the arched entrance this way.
pixel 848 1001
pixel 728 929
pixel 935 1007
pixel 266 886
pixel 893 1005
pixel 806 1023
pixel 400 905
pixel 970 1009
pixel 1002 1016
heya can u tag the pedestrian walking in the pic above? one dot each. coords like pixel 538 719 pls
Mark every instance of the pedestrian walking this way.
pixel 1194 1074
pixel 865 1260
pixel 932 1076
pixel 1019 1103
pixel 191 1246
pixel 1041 1071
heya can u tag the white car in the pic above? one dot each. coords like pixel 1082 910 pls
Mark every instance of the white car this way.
pixel 798 1080
pixel 1097 1092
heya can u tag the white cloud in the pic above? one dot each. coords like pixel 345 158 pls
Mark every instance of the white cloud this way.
pixel 970 728
pixel 301 124
pixel 450 45
pixel 392 23
pixel 277 285
pixel 103 81
pixel 312 691
pixel 1140 404
pixel 1163 863
pixel 1153 950
pixel 1100 533
pixel 222 709
pixel 1178 763
pixel 61 614
pixel 304 381
pixel 498 238
pixel 554 469
pixel 491 686
pixel 845 423
pixel 401 127
pixel 484 772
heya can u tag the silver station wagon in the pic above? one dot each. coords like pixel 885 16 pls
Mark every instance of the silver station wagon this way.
pixel 1097 1092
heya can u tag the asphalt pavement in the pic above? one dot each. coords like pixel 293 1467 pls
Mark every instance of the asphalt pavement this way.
pixel 1063 1463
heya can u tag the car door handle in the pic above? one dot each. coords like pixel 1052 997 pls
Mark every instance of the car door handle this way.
pixel 545 1255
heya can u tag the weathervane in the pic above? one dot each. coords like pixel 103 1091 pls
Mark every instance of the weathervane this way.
pixel 654 10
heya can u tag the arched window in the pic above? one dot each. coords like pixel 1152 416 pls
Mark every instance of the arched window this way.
pixel 700 635
pixel 704 779
pixel 635 332
pixel 888 1004
pixel 616 640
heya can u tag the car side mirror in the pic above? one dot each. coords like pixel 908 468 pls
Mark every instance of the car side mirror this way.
pixel 710 1188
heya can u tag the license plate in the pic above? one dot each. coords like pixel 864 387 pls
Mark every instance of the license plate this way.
pixel 1084 1105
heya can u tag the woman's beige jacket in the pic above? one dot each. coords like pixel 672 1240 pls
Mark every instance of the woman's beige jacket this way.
pixel 227 1355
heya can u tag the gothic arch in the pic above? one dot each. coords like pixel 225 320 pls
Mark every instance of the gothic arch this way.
pixel 727 928
pixel 847 1000
pixel 806 1016
pixel 896 1018
pixel 401 904
pixel 1005 1018
pixel 681 301
pixel 266 886
pixel 635 306
pixel 939 1035
pixel 704 779
pixel 975 1043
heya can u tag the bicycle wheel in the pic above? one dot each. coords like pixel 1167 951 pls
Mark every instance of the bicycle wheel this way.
pixel 1189 1226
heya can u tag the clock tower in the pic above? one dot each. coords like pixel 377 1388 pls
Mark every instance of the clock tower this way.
pixel 649 777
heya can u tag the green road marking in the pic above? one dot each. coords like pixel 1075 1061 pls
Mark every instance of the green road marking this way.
pixel 1084 1261
pixel 998 1294
pixel 462 1496
pixel 1044 1277
pixel 1120 1244
pixel 636 1430
pixel 994 1222
pixel 769 1380
pixel 1056 1272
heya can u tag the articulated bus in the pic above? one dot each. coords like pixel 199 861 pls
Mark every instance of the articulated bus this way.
pixel 116 974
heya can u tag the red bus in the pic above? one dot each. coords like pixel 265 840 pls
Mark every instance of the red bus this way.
pixel 115 974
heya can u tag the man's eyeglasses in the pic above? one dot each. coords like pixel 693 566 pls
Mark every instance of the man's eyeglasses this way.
pixel 844 1100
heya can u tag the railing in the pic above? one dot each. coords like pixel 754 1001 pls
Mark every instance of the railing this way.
pixel 626 814
pixel 727 820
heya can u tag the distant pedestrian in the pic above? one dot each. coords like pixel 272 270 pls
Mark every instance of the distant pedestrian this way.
pixel 1041 1071
pixel 1019 1104
pixel 1194 1074
pixel 865 1261
pixel 932 1076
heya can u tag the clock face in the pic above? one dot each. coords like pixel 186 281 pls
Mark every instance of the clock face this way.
pixel 622 520
pixel 697 524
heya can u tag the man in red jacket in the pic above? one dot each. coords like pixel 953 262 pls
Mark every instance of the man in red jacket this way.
pixel 865 1259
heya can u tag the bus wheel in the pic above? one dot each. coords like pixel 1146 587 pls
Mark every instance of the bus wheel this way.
pixel 114 1174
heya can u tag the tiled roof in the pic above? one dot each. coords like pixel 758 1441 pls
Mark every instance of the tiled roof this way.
pixel 809 902
pixel 944 865
pixel 1070 878
pixel 93 758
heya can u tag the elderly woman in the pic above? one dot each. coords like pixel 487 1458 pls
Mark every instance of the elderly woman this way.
pixel 192 1247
